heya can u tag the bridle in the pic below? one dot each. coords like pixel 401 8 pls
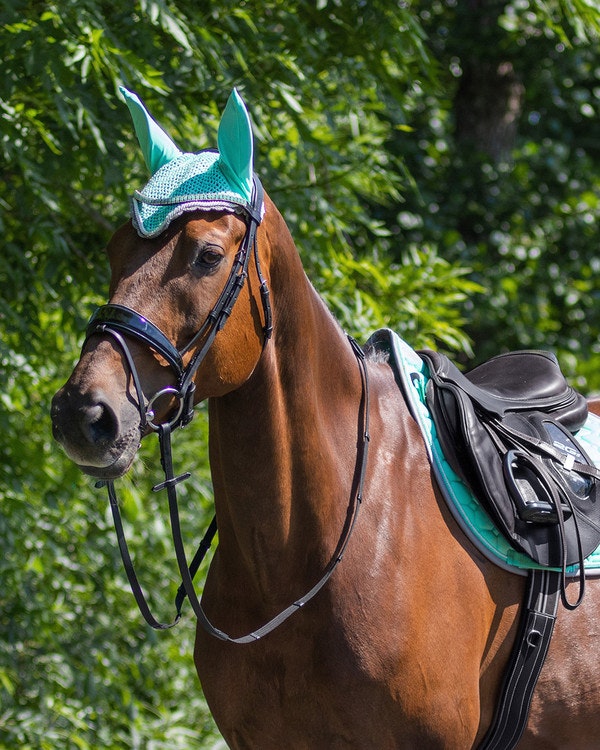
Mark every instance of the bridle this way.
pixel 118 322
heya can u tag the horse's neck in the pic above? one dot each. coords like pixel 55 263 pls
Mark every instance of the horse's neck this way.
pixel 283 447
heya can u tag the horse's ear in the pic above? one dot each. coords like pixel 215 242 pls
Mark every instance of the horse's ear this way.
pixel 235 145
pixel 158 149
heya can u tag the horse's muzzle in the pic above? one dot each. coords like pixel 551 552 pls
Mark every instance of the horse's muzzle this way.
pixel 98 436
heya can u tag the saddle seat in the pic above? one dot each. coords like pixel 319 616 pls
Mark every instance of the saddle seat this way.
pixel 520 381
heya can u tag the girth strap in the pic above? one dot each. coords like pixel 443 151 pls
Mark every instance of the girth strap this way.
pixel 526 662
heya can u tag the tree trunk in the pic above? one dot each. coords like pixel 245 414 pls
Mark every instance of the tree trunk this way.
pixel 489 98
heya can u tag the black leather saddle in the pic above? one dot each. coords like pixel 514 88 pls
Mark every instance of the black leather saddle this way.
pixel 507 429
pixel 521 381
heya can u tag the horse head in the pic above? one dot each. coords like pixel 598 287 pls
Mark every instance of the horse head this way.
pixel 177 268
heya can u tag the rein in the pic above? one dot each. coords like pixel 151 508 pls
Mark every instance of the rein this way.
pixel 117 321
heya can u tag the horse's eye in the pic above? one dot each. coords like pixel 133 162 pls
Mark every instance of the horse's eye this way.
pixel 208 259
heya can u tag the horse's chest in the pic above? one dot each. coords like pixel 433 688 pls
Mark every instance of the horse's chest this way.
pixel 355 668
pixel 320 697
pixel 290 690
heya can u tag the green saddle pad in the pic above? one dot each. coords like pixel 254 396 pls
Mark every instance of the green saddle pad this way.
pixel 412 374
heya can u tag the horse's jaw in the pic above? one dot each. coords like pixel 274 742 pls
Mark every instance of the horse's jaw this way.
pixel 112 465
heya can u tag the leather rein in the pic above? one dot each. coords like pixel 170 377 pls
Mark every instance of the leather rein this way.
pixel 118 321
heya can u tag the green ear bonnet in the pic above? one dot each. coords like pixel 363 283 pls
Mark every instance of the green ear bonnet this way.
pixel 182 182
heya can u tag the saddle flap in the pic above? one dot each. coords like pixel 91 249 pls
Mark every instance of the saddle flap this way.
pixel 525 466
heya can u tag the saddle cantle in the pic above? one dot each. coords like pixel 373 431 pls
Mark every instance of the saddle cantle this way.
pixel 506 428
pixel 520 381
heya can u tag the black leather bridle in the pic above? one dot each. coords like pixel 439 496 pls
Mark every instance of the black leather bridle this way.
pixel 118 322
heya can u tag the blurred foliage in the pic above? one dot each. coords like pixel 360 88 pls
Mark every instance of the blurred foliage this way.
pixel 525 223
pixel 399 222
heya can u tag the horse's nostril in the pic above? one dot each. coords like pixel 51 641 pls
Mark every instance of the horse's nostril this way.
pixel 98 423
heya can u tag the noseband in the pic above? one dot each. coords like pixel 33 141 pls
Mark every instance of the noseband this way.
pixel 118 320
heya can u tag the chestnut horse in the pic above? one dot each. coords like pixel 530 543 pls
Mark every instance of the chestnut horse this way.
pixel 406 644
